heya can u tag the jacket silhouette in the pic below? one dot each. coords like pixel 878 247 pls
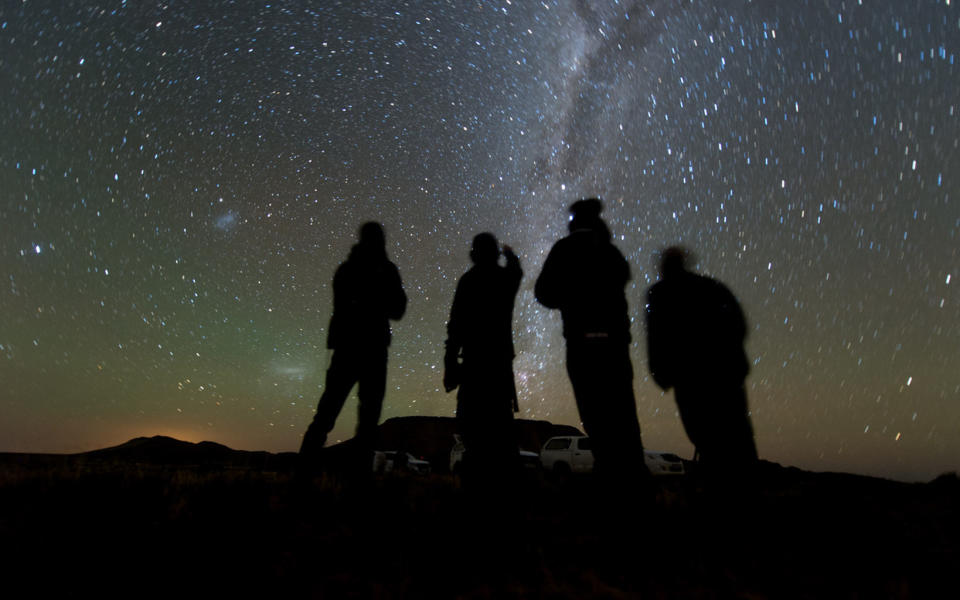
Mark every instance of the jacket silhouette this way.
pixel 695 335
pixel 367 295
pixel 479 357
pixel 585 276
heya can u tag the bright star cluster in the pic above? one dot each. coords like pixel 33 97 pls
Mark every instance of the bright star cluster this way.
pixel 180 180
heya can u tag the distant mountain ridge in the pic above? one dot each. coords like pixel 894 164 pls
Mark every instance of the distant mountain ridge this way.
pixel 161 449
pixel 430 438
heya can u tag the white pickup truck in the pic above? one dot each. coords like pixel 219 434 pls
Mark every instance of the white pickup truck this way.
pixel 574 454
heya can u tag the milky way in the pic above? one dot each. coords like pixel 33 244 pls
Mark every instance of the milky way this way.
pixel 180 179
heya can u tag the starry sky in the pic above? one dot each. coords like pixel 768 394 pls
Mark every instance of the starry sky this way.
pixel 180 180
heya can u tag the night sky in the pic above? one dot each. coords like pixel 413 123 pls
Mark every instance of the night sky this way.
pixel 181 179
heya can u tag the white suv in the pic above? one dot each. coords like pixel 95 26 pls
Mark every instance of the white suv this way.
pixel 574 454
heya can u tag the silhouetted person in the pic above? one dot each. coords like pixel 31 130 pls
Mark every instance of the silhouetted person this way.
pixel 479 359
pixel 695 335
pixel 585 276
pixel 367 294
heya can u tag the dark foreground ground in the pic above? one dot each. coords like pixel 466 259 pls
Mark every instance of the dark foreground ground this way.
pixel 72 527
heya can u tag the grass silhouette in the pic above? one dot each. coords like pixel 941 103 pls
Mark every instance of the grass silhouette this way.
pixel 77 526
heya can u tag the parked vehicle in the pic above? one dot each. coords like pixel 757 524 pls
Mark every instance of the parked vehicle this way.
pixel 663 463
pixel 567 454
pixel 528 460
pixel 388 461
pixel 574 454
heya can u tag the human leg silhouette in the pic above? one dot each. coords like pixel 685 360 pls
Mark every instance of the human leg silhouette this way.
pixel 341 377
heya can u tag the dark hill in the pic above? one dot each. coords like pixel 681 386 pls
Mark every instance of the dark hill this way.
pixel 427 437
pixel 163 450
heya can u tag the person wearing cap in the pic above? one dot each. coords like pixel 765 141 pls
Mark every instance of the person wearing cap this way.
pixel 584 276
pixel 367 295
pixel 479 359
